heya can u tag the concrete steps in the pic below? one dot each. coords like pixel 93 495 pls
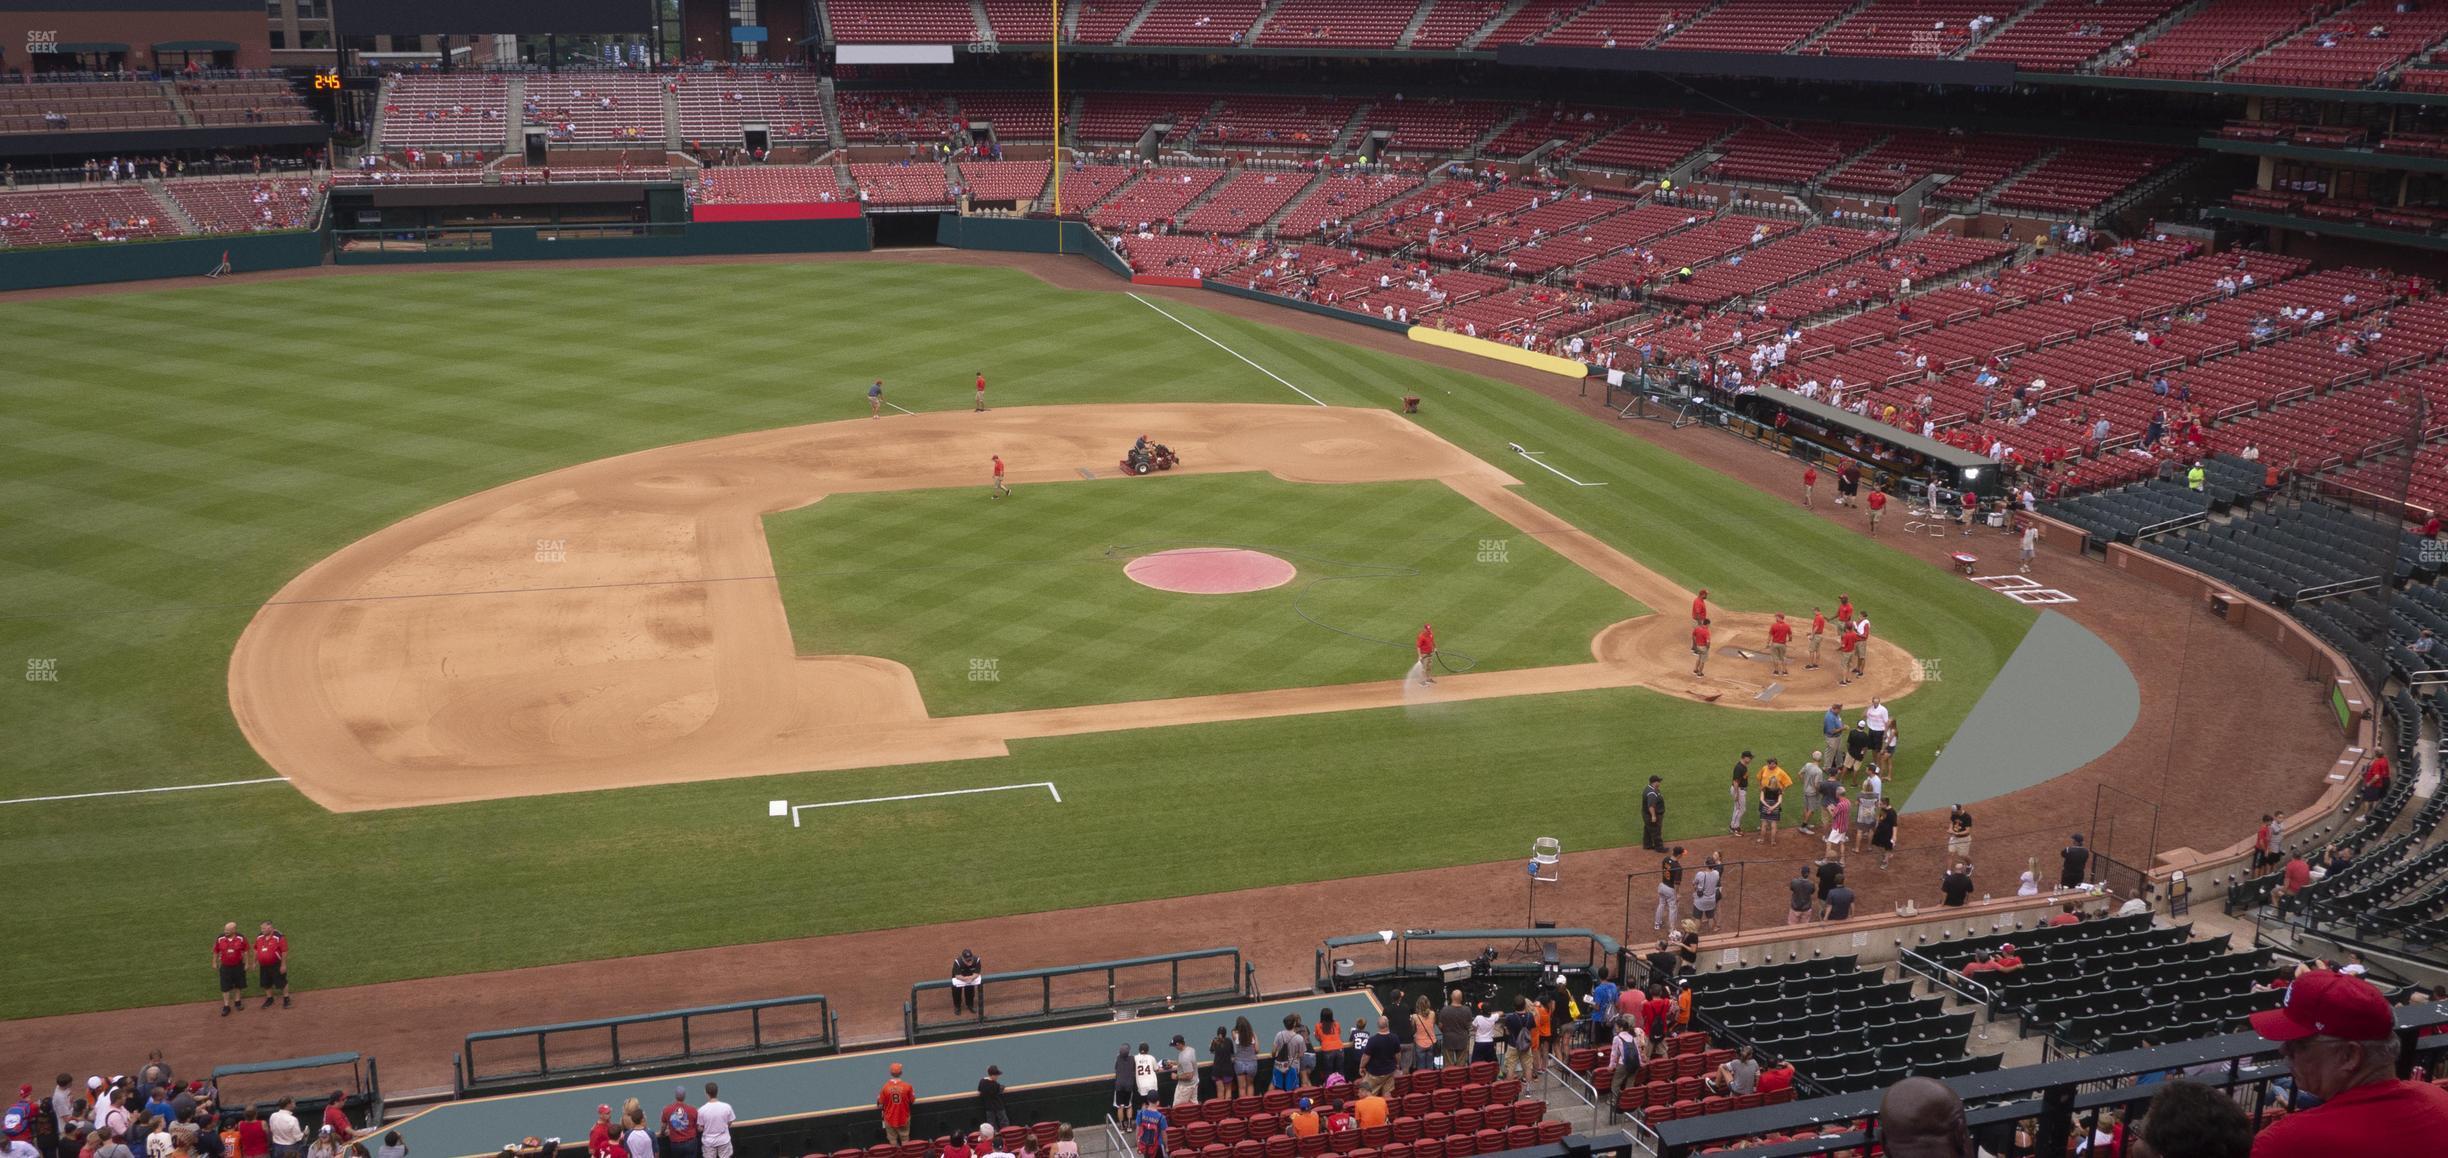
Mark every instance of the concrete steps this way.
pixel 1123 37
pixel 1511 8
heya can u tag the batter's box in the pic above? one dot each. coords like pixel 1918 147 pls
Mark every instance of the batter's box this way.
pixel 2023 589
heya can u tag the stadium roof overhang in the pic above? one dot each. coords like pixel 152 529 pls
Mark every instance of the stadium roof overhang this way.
pixel 1871 428
pixel 2377 234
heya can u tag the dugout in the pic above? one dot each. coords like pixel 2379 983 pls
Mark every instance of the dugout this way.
pixel 1890 457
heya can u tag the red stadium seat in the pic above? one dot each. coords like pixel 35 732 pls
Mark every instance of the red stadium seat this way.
pixel 1474 1095
pixel 1552 1132
pixel 1406 1129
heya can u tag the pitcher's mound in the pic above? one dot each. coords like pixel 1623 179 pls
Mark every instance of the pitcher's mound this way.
pixel 1209 570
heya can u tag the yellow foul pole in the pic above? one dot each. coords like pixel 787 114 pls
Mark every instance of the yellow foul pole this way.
pixel 1056 37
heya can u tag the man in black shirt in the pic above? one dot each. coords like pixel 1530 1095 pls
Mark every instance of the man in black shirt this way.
pixel 1662 965
pixel 1670 881
pixel 1831 874
pixel 1957 884
pixel 2077 859
pixel 1741 790
pixel 1378 1059
pixel 1653 817
pixel 990 1099
pixel 1800 887
pixel 1840 902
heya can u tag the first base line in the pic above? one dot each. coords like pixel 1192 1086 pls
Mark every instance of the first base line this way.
pixel 779 807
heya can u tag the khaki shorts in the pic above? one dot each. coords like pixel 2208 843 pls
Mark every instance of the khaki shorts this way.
pixel 1777 650
pixel 1702 652
pixel 1875 512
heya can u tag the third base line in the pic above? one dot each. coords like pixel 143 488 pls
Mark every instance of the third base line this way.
pixel 1048 785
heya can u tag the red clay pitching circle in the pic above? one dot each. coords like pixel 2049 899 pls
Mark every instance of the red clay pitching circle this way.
pixel 1209 570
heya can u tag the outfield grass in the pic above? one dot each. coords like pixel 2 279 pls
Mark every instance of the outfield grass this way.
pixel 941 579
pixel 169 459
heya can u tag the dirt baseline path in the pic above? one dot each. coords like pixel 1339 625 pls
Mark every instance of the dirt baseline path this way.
pixel 618 623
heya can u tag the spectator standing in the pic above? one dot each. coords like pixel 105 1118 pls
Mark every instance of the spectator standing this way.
pixel 1457 1028
pixel 229 959
pixel 2077 862
pixel 1773 781
pixel 1840 902
pixel 288 1137
pixel 1482 1036
pixel 1291 1054
pixel 634 1137
pixel 1670 882
pixel 1813 808
pixel 1959 832
pixel 1706 884
pixel 272 965
pixel 968 972
pixel 1956 885
pixel 1883 831
pixel 1220 1063
pixel 1830 874
pixel 600 1140
pixel 1185 1070
pixel 1798 909
pixel 894 1102
pixel 991 1110
pixel 1740 790
pixel 1653 817
pixel 1380 1057
pixel 1329 1045
pixel 1143 1075
pixel 1245 1058
pixel 2340 1041
pixel 714 1120
pixel 336 1119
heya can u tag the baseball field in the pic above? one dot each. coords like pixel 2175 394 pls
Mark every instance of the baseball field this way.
pixel 469 620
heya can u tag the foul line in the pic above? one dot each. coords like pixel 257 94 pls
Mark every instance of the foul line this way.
pixel 1227 349
pixel 145 791
pixel 901 408
pixel 1048 785
pixel 1533 456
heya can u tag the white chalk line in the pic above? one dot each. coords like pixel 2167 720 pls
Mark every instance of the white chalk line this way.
pixel 901 408
pixel 146 791
pixel 1533 456
pixel 1227 349
pixel 1048 785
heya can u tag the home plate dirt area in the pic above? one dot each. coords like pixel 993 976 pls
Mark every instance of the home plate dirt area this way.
pixel 618 623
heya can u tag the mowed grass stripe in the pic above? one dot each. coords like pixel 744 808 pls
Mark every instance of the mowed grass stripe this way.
pixel 299 416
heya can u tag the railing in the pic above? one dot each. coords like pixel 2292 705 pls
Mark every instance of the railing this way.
pixel 1037 995
pixel 537 1055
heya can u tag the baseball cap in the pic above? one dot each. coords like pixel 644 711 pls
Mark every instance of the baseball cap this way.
pixel 2322 1003
pixel 1305 1103
pixel 603 1110
pixel 94 1082
pixel 680 1092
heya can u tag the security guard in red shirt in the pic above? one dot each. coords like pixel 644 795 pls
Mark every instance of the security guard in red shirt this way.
pixel 229 956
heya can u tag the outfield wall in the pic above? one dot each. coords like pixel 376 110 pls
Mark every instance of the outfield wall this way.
pixel 150 260
pixel 694 239
pixel 1026 235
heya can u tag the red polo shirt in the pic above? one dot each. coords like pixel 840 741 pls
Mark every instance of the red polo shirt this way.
pixel 2375 1119
pixel 2298 874
pixel 1780 1078
pixel 1844 611
pixel 1700 637
pixel 337 1119
pixel 1700 608
pixel 1818 624
pixel 1810 477
pixel 1877 500
pixel 271 949
pixel 229 949
pixel 1780 632
pixel 1850 640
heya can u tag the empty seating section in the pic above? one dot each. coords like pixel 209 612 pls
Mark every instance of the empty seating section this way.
pixel 1450 22
pixel 1337 23
pixel 217 103
pixel 1081 186
pixel 2340 52
pixel 1770 265
pixel 1863 1033
pixel 1198 22
pixel 2117 984
pixel 1788 156
pixel 1245 201
pixel 714 108
pixel 1123 117
pixel 1154 198
pixel 1342 198
pixel 888 185
pixel 2082 176
pixel 892 116
pixel 1539 124
pixel 2421 79
pixel 1531 227
pixel 902 21
pixel 1100 21
pixel 423 110
pixel 2216 36
pixel 2277 555
pixel 1015 116
pixel 1654 144
pixel 1973 164
pixel 96 107
pixel 1184 255
pixel 1617 23
pixel 1021 21
pixel 1005 180
pixel 2061 35
pixel 1311 123
pixel 768 184
pixel 1755 25
pixel 597 107
pixel 246 205
pixel 1590 240
pixel 107 213
pixel 1925 28
pixel 1533 20
pixel 1435 126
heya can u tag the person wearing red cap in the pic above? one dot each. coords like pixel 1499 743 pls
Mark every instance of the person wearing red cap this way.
pixel 2340 1041
pixel 599 1140
pixel 1427 652
pixel 895 1100
pixel 1700 612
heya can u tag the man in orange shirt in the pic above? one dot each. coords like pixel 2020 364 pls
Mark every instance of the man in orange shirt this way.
pixel 1780 635
pixel 1370 1110
pixel 1303 1120
pixel 895 1100
pixel 1700 648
